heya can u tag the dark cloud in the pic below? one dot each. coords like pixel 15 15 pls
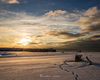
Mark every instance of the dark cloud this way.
pixel 80 45
pixel 63 34
pixel 95 18
pixel 91 23
pixel 39 36
pixel 69 34
pixel 84 45
pixel 95 36
pixel 33 43
pixel 95 27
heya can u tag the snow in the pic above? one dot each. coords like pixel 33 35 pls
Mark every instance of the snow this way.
pixel 16 65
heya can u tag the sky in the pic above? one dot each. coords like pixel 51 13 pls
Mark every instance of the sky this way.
pixel 61 24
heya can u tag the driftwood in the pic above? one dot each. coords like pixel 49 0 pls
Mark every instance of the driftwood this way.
pixel 78 58
pixel 90 62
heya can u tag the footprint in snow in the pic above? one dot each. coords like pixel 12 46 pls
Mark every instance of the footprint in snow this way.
pixel 67 70
pixel 72 73
pixel 76 77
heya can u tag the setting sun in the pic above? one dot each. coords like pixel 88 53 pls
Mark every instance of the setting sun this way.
pixel 25 41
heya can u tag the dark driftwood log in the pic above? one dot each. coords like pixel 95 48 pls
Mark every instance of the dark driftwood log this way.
pixel 78 58
pixel 90 62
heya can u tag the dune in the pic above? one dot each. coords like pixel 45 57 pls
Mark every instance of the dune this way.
pixel 17 65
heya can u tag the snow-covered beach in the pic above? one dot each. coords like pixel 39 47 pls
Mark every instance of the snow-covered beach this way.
pixel 16 65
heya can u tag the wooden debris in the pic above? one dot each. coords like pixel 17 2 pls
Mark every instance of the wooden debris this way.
pixel 90 62
pixel 65 63
pixel 78 58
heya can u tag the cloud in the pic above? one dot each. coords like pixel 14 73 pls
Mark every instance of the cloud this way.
pixel 7 29
pixel 7 45
pixel 89 20
pixel 89 23
pixel 77 14
pixel 10 1
pixel 92 27
pixel 55 13
pixel 56 36
pixel 73 15
pixel 59 27
pixel 91 11
pixel 80 44
pixel 84 13
pixel 76 44
pixel 77 11
pixel 92 19
pixel 31 22
pixel 62 34
pixel 95 37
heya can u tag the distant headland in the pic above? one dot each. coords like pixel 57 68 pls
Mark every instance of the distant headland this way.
pixel 29 49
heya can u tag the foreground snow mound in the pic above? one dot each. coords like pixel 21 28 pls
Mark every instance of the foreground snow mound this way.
pixel 48 66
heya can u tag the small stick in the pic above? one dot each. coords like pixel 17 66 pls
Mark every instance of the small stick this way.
pixel 65 63
pixel 90 62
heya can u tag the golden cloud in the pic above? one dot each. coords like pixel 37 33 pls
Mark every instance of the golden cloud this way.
pixel 91 11
pixel 55 13
pixel 7 29
pixel 62 34
pixel 11 1
pixel 89 23
pixel 86 13
pixel 89 20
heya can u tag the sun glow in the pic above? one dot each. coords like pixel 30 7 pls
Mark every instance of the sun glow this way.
pixel 25 41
